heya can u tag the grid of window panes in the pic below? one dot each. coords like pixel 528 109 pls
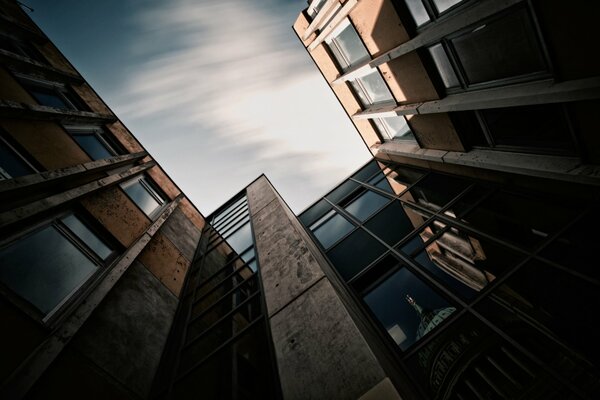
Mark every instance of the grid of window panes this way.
pixel 223 347
pixel 349 50
pixel 480 291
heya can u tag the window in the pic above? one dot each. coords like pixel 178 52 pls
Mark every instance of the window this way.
pixel 143 193
pixel 48 265
pixel 423 11
pixel 499 50
pixel 314 7
pixel 12 163
pixel 370 89
pixel 51 94
pixel 21 48
pixel 330 228
pixel 94 140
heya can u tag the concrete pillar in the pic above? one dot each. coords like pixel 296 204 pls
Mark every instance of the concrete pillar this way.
pixel 320 352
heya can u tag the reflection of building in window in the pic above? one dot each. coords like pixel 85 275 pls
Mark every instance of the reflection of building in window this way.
pixel 429 318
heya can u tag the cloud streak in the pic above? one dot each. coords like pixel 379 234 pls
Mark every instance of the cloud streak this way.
pixel 226 92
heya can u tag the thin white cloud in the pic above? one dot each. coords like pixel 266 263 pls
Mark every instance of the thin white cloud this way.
pixel 226 93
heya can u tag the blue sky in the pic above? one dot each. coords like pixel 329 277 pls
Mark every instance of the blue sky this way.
pixel 218 91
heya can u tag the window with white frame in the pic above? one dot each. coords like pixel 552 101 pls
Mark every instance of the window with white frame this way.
pixel 145 195
pixel 48 265
pixel 94 140
pixel 349 50
pixel 314 7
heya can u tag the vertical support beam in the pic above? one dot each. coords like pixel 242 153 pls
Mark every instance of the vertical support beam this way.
pixel 320 351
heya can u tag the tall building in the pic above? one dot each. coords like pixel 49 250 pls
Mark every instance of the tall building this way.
pixel 459 263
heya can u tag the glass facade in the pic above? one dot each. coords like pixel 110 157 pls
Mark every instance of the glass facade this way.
pixel 484 291
pixel 221 341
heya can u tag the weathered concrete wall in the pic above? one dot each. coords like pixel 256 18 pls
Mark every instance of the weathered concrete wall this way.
pixel 12 90
pixel 182 233
pixel 47 142
pixel 120 345
pixel 321 354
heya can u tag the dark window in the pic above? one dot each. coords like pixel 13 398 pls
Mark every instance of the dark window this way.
pixel 331 228
pixel 365 204
pixel 21 48
pixel 95 141
pixel 12 163
pixel 144 194
pixel 435 191
pixel 354 253
pixel 314 212
pixel 52 94
pixel 391 224
pixel 407 308
pixel 48 265
pixel 503 47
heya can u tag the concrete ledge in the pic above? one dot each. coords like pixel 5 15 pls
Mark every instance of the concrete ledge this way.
pixel 26 64
pixel 342 13
pixel 569 169
pixel 320 18
pixel 62 174
pixel 14 109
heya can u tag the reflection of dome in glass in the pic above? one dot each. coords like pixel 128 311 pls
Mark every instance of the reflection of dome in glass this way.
pixel 429 318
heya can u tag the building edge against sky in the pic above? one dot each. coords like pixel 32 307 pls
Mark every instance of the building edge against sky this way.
pixel 416 277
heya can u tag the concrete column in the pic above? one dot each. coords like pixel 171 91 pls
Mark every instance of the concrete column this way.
pixel 320 352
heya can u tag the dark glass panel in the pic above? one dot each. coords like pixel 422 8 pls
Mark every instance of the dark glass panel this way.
pixel 465 263
pixel 500 48
pixel 366 204
pixel 44 268
pixel 391 224
pixel 225 212
pixel 12 163
pixel 342 191
pixel 367 171
pixel 525 221
pixel 407 308
pixel 93 146
pixel 354 253
pixel 468 127
pixel 366 280
pixel 48 97
pixel 87 236
pixel 538 127
pixel 331 231
pixel 576 248
pixel 555 300
pixel 435 191
pixel 315 212
pixel 381 181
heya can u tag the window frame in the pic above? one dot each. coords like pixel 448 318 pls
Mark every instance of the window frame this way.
pixel 455 62
pixel 152 189
pixel 6 140
pixel 60 90
pixel 100 133
pixel 76 295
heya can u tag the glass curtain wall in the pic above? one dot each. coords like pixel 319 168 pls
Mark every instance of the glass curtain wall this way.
pixel 220 347
pixel 479 291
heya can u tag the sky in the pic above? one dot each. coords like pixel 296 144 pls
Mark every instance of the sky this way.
pixel 217 91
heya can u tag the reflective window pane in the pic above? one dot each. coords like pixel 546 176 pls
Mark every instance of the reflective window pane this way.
pixel 500 48
pixel 342 191
pixel 443 65
pixel 314 212
pixel 407 308
pixel 366 204
pixel 418 11
pixel 381 181
pixel 466 264
pixel 435 191
pixel 443 5
pixel 44 268
pixel 397 128
pixel 87 236
pixel 376 88
pixel 93 146
pixel 519 219
pixel 354 253
pixel 241 239
pixel 332 230
pixel 142 197
pixel 367 171
pixel 11 163
pixel 391 224
pixel 351 46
